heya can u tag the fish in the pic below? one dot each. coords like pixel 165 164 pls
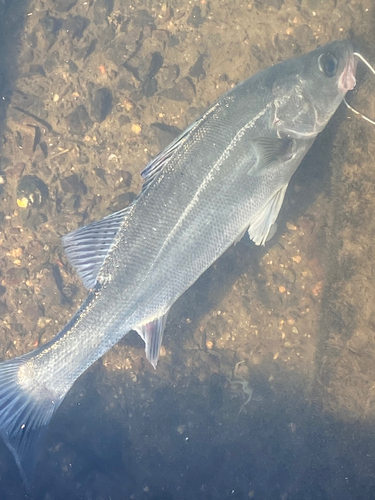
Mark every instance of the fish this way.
pixel 225 175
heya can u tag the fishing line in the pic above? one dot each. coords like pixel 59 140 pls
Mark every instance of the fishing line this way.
pixel 346 102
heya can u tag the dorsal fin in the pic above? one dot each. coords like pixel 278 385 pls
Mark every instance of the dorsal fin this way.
pixel 88 246
pixel 152 169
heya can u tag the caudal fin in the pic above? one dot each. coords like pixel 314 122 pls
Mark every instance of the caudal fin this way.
pixel 24 416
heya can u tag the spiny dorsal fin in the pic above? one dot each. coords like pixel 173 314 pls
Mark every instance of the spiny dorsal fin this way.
pixel 156 165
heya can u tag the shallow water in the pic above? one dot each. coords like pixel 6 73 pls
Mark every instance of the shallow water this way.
pixel 298 314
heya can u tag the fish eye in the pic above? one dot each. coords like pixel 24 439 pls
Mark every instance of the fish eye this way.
pixel 328 64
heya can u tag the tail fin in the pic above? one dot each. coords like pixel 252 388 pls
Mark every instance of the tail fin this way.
pixel 24 416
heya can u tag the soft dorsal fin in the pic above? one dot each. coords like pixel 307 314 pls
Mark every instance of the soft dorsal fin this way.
pixel 152 169
pixel 152 335
pixel 88 246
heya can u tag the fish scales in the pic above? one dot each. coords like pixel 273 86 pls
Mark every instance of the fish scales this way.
pixel 227 173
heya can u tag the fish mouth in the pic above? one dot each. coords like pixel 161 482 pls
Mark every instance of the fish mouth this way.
pixel 347 79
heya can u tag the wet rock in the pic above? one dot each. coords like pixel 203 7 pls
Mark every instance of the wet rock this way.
pixel 16 275
pixel 3 308
pixel 31 192
pixel 156 64
pixel 32 221
pixel 64 5
pixel 73 68
pixel 303 33
pixel 184 90
pixel 259 4
pixel 165 134
pixel 123 46
pixel 73 184
pixel 195 19
pixel 27 56
pixel 25 138
pixel 142 18
pixel 122 201
pixel 52 61
pixel 79 121
pixel 101 104
pixel 36 69
pixel 75 26
pixel 102 9
pixel 149 87
pixel 33 104
pixel 51 25
pixel 173 41
pixel 87 50
pixel 168 75
pixel 197 70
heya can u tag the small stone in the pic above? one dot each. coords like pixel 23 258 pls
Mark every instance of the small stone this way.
pixel 297 259
pixel 291 226
pixel 162 352
pixel 23 202
pixel 209 344
pixel 136 128
pixel 282 289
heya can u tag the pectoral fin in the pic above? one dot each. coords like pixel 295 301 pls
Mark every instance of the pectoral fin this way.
pixel 263 223
pixel 152 335
pixel 269 151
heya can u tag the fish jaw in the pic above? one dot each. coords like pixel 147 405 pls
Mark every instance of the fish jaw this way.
pixel 347 79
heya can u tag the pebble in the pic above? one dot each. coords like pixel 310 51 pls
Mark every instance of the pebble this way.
pixel 282 289
pixel 291 226
pixel 136 128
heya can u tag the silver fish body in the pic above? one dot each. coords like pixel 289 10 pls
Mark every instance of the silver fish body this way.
pixel 227 173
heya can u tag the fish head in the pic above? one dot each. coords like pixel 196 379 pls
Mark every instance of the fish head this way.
pixel 312 88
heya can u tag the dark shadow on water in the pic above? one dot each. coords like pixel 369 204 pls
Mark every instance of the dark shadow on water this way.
pixel 183 444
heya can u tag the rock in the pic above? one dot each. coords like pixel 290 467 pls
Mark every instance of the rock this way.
pixel 73 184
pixel 168 75
pixel 102 9
pixel 184 90
pixel 149 87
pixel 79 121
pixel 31 192
pixel 75 26
pixel 101 104
pixel 64 5
pixel 197 70
pixel 195 19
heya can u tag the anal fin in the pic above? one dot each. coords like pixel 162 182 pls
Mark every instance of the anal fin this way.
pixel 152 335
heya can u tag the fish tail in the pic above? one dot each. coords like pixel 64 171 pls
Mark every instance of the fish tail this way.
pixel 25 412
